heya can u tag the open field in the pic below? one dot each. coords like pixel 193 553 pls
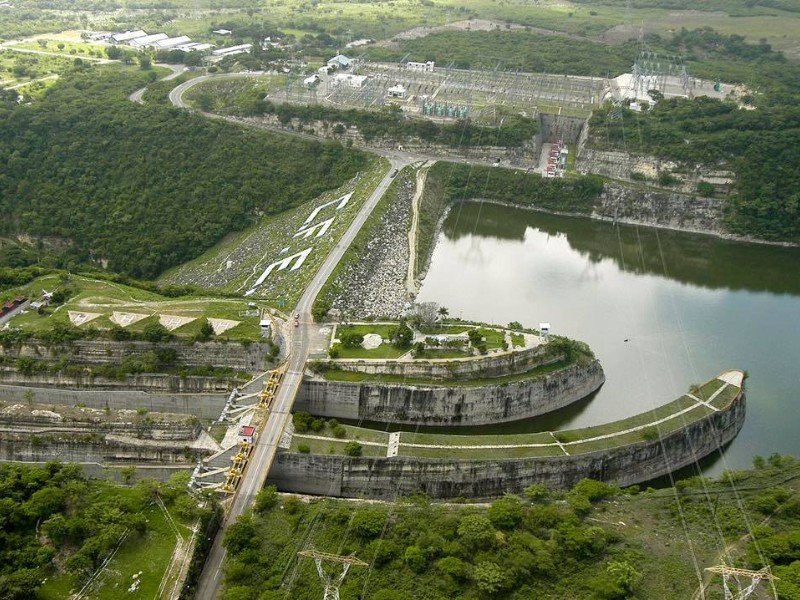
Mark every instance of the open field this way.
pixel 101 302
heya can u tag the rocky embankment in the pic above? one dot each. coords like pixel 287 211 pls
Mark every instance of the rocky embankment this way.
pixel 375 285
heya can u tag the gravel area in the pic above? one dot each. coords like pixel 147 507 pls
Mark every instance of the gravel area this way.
pixel 375 286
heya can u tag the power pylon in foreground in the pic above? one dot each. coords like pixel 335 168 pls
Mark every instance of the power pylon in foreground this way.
pixel 731 574
pixel 330 582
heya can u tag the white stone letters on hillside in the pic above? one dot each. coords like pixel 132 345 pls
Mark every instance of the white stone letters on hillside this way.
pixel 307 229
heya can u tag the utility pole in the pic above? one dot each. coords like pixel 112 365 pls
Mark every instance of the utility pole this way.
pixel 731 575
pixel 330 582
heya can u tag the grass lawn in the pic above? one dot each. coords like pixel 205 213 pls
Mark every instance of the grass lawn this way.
pixel 149 553
pixel 480 453
pixel 355 377
pixel 333 446
pixel 382 351
pixel 105 298
pixel 70 49
pixel 517 340
pixel 494 339
pixel 385 331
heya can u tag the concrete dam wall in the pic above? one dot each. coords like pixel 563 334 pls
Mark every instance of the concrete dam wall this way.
pixel 388 478
pixel 432 405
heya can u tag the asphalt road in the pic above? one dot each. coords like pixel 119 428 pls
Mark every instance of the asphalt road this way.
pixel 264 451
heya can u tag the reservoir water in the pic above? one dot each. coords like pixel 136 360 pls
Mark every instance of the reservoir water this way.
pixel 661 310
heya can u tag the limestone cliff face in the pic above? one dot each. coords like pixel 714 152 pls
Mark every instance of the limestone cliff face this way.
pixel 388 478
pixel 436 405
pixel 660 209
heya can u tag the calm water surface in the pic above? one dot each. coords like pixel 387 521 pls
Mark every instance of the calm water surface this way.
pixel 689 306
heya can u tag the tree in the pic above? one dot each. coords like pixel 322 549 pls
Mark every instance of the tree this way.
pixel 402 336
pixel 144 62
pixel 206 331
pixel 266 500
pixel 114 52
pixel 353 449
pixel 351 339
pixel 425 313
pixel 506 512
pixel 476 531
pixel 156 332
pixel 489 577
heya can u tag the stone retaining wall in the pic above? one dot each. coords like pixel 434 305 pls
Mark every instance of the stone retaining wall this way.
pixel 204 406
pixel 148 382
pixel 389 478
pixel 432 405
pixel 240 357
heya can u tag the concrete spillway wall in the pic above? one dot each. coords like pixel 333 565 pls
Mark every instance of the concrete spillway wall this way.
pixel 241 357
pixel 204 406
pixel 388 478
pixel 432 405
pixel 22 447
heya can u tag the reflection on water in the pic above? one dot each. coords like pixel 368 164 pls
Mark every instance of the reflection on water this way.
pixel 661 309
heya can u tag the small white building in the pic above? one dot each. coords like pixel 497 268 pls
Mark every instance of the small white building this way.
pixel 222 31
pixel 396 91
pixel 194 47
pixel 247 434
pixel 340 61
pixel 99 36
pixel 421 66
pixel 127 36
pixel 266 328
pixel 147 40
pixel 353 81
pixel 326 70
pixel 311 81
pixel 168 43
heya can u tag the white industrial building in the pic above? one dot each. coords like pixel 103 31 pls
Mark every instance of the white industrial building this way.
pixel 127 36
pixel 340 61
pixel 222 31
pixel 194 47
pixel 354 81
pixel 396 91
pixel 168 43
pixel 231 50
pixel 146 40
pixel 99 36
pixel 421 66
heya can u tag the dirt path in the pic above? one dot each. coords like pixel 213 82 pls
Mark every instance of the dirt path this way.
pixel 412 285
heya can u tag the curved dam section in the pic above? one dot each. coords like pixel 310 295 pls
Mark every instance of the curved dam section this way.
pixel 457 405
pixel 704 429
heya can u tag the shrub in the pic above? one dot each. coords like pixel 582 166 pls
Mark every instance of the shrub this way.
pixel 339 432
pixel 304 448
pixel 353 449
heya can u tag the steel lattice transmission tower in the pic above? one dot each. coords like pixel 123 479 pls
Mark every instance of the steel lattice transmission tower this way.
pixel 731 575
pixel 330 582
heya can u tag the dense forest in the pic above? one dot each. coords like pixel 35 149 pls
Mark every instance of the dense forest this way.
pixel 515 50
pixel 55 521
pixel 593 542
pixel 146 187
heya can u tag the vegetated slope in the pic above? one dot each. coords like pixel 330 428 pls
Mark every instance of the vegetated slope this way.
pixel 58 528
pixel 146 187
pixel 516 50
pixel 592 543
pixel 761 144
